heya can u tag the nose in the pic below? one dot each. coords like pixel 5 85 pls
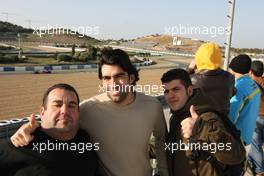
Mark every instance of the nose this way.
pixel 64 109
pixel 113 82
pixel 170 95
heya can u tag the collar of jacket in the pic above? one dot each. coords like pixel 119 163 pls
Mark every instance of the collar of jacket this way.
pixel 246 76
pixel 210 72
pixel 259 81
pixel 201 103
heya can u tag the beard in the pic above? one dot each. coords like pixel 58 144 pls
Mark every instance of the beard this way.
pixel 117 98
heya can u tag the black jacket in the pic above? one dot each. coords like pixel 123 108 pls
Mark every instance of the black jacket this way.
pixel 218 84
pixel 73 159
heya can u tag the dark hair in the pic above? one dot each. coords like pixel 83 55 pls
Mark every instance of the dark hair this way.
pixel 118 57
pixel 58 86
pixel 257 68
pixel 177 74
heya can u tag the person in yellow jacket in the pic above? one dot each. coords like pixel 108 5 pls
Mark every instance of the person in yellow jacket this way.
pixel 206 73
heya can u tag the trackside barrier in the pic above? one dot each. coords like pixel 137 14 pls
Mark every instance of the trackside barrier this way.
pixel 9 127
pixel 60 67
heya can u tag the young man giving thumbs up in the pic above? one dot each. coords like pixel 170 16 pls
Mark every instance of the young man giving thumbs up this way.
pixel 198 142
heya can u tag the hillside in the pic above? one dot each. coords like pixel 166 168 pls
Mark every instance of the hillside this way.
pixel 8 33
pixel 165 43
pixel 61 38
pixel 6 27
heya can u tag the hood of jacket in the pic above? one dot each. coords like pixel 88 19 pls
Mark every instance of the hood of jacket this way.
pixel 208 57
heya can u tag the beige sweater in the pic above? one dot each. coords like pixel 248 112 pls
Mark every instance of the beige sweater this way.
pixel 124 133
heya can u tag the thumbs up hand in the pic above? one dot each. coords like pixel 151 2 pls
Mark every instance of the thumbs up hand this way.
pixel 24 136
pixel 193 112
pixel 188 123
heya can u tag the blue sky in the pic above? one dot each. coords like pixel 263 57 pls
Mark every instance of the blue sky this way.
pixel 130 19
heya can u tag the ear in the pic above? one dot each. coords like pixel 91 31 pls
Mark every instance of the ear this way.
pixel 42 112
pixel 132 78
pixel 190 91
pixel 250 73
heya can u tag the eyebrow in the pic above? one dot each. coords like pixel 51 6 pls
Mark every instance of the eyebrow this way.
pixel 73 102
pixel 118 74
pixel 176 87
pixel 60 101
pixel 56 101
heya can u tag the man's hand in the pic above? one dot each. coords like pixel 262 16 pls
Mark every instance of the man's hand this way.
pixel 192 65
pixel 23 136
pixel 188 123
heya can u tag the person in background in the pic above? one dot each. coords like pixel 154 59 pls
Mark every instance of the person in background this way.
pixel 244 105
pixel 256 156
pixel 206 73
